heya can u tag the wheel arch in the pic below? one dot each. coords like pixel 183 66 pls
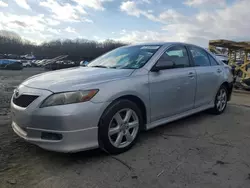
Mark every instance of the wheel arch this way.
pixel 229 87
pixel 135 99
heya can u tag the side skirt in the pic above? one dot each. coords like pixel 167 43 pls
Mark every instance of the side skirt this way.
pixel 178 116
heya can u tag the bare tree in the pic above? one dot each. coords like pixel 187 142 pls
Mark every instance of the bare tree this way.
pixel 78 49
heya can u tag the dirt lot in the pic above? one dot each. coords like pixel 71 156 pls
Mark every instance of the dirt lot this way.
pixel 200 151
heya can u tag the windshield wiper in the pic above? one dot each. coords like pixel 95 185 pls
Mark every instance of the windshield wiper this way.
pixel 99 66
pixel 102 66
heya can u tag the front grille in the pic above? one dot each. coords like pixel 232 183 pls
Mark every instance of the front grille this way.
pixel 24 100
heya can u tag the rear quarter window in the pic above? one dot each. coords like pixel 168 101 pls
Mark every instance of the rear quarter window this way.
pixel 212 60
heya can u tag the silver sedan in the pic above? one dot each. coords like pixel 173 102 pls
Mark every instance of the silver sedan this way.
pixel 110 101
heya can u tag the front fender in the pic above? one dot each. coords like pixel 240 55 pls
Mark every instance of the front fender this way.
pixel 137 86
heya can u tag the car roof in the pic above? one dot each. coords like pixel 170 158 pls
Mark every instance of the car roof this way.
pixel 164 44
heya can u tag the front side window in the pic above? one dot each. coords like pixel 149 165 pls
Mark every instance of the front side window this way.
pixel 175 57
pixel 199 56
pixel 130 57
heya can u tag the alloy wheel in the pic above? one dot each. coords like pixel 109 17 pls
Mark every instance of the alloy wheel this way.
pixel 123 128
pixel 221 100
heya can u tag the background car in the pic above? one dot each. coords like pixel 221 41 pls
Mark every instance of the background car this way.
pixel 223 58
pixel 10 64
pixel 26 63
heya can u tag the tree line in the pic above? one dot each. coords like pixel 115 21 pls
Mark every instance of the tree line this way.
pixel 78 49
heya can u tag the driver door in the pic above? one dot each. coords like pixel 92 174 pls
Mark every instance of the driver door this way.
pixel 172 89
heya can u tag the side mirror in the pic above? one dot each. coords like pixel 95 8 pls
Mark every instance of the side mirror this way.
pixel 84 63
pixel 163 64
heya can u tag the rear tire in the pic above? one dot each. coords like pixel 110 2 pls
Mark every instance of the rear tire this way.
pixel 220 101
pixel 119 126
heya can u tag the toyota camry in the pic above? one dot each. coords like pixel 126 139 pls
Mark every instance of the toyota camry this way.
pixel 108 103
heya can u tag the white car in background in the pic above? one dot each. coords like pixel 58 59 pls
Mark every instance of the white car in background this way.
pixel 26 64
pixel 222 57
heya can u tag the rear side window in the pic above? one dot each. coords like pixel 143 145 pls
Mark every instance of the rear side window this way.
pixel 200 56
pixel 213 62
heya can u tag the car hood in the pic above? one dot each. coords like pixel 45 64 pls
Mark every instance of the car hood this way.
pixel 75 78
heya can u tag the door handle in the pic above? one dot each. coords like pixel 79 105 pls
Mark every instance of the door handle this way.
pixel 191 74
pixel 218 70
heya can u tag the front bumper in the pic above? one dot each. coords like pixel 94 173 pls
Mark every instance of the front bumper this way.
pixel 77 124
pixel 72 141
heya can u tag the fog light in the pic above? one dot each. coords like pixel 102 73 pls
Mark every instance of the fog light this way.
pixel 51 136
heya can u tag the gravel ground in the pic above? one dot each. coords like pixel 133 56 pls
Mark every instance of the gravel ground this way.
pixel 199 151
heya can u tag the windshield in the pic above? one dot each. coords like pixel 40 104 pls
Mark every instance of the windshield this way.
pixel 131 57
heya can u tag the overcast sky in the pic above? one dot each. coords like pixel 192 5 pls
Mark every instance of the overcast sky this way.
pixel 194 21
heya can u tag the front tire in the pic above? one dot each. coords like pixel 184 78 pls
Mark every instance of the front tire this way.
pixel 120 126
pixel 220 101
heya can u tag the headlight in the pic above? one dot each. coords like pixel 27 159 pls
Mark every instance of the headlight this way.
pixel 69 98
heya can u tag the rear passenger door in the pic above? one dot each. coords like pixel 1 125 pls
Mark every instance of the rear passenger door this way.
pixel 209 75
